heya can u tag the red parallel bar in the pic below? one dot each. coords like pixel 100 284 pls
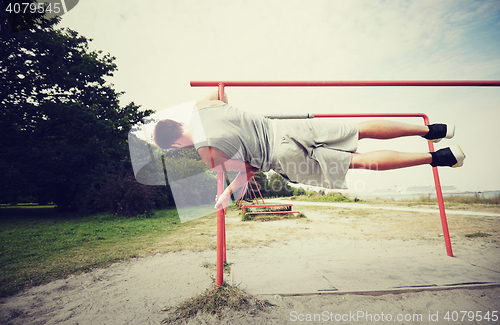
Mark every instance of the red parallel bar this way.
pixel 352 83
pixel 409 83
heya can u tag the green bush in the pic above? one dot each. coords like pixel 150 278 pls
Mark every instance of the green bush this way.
pixel 310 193
pixel 298 191
pixel 330 197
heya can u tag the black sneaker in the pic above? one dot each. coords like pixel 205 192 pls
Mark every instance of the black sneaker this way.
pixel 437 132
pixel 451 157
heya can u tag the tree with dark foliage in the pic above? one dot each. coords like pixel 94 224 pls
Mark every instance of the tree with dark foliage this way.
pixel 61 125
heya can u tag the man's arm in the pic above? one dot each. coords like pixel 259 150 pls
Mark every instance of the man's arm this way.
pixel 216 160
pixel 239 181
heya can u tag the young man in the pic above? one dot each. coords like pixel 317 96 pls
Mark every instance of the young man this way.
pixel 310 151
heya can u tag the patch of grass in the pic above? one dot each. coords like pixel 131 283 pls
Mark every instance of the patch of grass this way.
pixel 330 197
pixel 458 199
pixel 476 199
pixel 477 234
pixel 40 245
pixel 216 301
pixel 477 202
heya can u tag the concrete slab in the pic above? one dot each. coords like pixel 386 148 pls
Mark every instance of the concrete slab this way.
pixel 302 267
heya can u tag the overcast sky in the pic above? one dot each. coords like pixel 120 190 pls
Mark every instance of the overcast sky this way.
pixel 161 45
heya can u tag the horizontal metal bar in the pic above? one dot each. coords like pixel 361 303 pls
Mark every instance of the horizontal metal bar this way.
pixel 291 116
pixel 352 83
pixel 343 115
pixel 372 115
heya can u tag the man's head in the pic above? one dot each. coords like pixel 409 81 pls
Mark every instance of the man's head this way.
pixel 171 134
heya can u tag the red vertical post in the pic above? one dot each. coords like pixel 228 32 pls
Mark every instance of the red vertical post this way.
pixel 439 196
pixel 224 258
pixel 220 233
pixel 221 222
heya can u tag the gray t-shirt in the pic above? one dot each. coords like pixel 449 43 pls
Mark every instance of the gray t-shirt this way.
pixel 239 134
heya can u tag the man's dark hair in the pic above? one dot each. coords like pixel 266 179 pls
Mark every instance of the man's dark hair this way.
pixel 167 132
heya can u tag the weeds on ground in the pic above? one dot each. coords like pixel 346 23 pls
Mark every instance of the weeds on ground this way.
pixel 477 234
pixel 213 266
pixel 216 301
pixel 476 199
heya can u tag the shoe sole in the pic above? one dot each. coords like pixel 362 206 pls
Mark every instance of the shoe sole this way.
pixel 459 156
pixel 450 132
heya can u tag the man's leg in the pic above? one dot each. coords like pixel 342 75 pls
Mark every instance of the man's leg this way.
pixel 387 159
pixel 382 129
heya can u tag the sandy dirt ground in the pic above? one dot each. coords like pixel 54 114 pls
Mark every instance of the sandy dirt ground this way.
pixel 136 291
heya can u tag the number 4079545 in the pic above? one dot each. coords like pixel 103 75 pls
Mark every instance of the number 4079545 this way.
pixel 471 316
pixel 31 7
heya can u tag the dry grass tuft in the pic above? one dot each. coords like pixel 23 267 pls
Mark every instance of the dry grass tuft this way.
pixel 216 301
